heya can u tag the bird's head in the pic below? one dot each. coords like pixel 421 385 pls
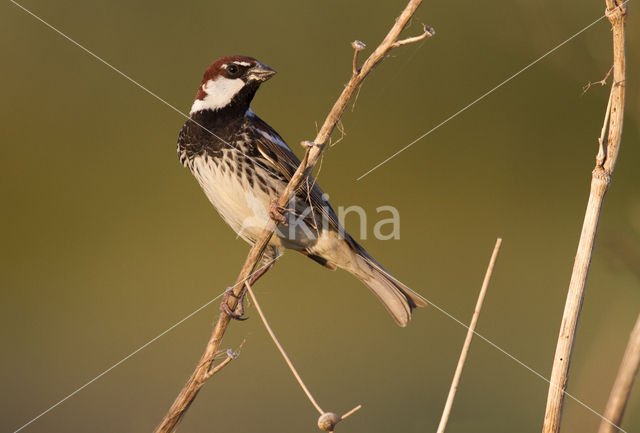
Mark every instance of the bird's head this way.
pixel 230 82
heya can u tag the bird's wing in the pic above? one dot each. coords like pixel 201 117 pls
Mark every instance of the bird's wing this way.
pixel 274 149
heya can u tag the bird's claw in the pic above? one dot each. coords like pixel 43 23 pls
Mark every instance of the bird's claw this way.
pixel 224 306
pixel 276 212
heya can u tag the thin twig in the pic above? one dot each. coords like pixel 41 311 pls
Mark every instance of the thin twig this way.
pixel 600 181
pixel 198 378
pixel 340 127
pixel 426 33
pixel 352 411
pixel 355 101
pixel 621 390
pixel 230 357
pixel 467 342
pixel 282 351
pixel 327 420
pixel 602 82
pixel 357 47
pixel 601 156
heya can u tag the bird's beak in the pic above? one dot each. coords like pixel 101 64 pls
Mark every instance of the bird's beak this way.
pixel 261 72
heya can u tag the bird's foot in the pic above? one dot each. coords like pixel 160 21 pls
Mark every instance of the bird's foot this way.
pixel 224 306
pixel 276 212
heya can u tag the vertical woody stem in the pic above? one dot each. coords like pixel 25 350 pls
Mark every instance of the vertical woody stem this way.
pixel 601 179
pixel 621 390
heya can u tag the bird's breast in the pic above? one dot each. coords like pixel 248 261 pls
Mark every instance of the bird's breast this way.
pixel 237 189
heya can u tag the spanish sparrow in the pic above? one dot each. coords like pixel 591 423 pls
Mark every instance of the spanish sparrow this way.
pixel 243 165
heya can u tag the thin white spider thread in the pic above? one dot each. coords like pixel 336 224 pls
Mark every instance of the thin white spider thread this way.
pixel 118 71
pixel 495 346
pixel 504 352
pixel 484 95
pixel 154 339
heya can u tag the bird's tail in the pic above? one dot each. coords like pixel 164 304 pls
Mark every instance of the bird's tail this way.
pixel 397 298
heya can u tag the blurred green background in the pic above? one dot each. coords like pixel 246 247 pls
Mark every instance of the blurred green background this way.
pixel 108 241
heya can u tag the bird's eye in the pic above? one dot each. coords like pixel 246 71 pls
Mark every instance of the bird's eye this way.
pixel 232 69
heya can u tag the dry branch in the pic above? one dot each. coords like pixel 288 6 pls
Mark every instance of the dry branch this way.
pixel 602 82
pixel 312 155
pixel 327 420
pixel 427 32
pixel 601 179
pixel 621 390
pixel 282 351
pixel 467 342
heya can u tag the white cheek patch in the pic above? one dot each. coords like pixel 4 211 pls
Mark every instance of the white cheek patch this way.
pixel 219 93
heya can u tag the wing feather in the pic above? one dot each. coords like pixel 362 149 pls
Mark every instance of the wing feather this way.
pixel 274 149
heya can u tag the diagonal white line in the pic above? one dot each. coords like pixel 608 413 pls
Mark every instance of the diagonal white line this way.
pixel 154 339
pixel 483 96
pixel 119 72
pixel 162 334
pixel 504 352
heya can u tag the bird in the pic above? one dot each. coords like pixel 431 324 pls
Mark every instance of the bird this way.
pixel 243 165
